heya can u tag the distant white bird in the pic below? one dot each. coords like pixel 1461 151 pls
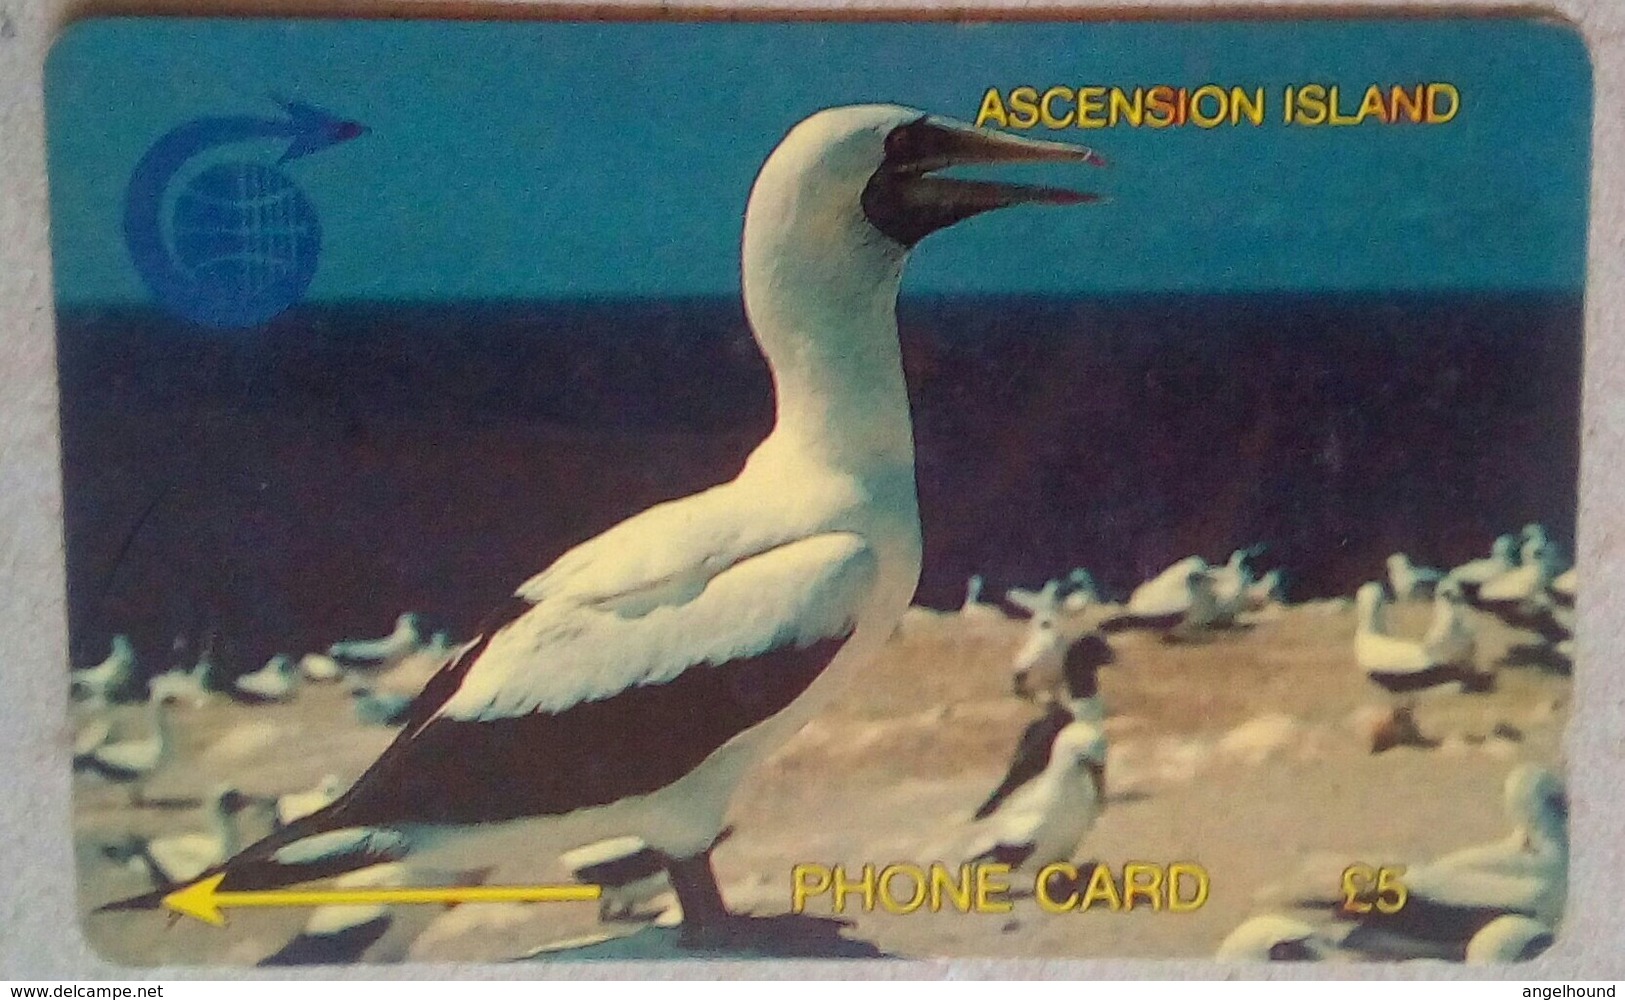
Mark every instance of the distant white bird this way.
pixel 973 607
pixel 1039 819
pixel 1267 590
pixel 1177 607
pixel 629 873
pixel 739 611
pixel 1074 595
pixel 1526 597
pixel 1509 938
pixel 207 672
pixel 297 805
pixel 348 934
pixel 178 686
pixel 1533 577
pixel 1451 899
pixel 1168 593
pixel 278 680
pixel 1069 686
pixel 1538 541
pixel 1408 580
pixel 1079 591
pixel 110 679
pixel 1059 658
pixel 1393 663
pixel 1503 559
pixel 320 668
pixel 178 858
pixel 193 686
pixel 1231 585
pixel 406 638
pixel 1271 938
pixel 132 762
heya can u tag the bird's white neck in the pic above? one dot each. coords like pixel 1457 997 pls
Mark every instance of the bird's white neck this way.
pixel 822 302
pixel 1372 621
pixel 160 723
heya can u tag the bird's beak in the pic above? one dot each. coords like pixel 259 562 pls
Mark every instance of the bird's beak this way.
pixel 906 202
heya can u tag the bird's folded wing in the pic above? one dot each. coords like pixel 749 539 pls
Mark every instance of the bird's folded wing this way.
pixel 576 704
pixel 565 651
pixel 679 544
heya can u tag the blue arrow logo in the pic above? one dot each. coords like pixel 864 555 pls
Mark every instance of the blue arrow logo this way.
pixel 239 241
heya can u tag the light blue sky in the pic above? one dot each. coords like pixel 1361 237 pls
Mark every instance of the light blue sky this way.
pixel 536 160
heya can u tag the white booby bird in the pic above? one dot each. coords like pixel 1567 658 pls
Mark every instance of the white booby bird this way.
pixel 1271 938
pixel 132 762
pixel 1393 663
pixel 1503 559
pixel 406 637
pixel 278 680
pixel 1533 577
pixel 634 682
pixel 1058 660
pixel 1076 594
pixel 1410 581
pixel 319 668
pixel 1179 602
pixel 179 686
pixel 178 858
pixel 1041 820
pixel 1509 938
pixel 1167 593
pixel 1452 898
pixel 110 679
pixel 1267 590
pixel 1072 695
pixel 1080 592
pixel 1538 540
pixel 1526 597
pixel 297 805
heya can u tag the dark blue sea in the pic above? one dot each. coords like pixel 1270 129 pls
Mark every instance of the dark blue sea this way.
pixel 309 481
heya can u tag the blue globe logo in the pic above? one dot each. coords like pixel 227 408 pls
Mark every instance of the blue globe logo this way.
pixel 248 239
pixel 236 243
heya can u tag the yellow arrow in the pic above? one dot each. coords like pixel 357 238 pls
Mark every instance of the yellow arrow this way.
pixel 204 900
